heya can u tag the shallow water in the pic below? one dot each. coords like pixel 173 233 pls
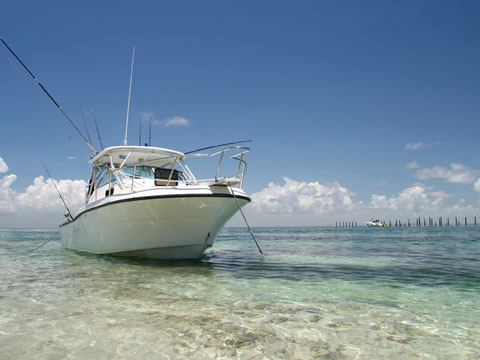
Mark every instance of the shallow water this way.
pixel 333 293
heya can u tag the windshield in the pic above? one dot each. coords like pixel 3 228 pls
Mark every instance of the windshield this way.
pixel 141 171
pixel 149 173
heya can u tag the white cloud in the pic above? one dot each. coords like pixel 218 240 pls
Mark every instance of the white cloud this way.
pixel 3 166
pixel 440 194
pixel 476 186
pixel 422 144
pixel 456 173
pixel 39 205
pixel 147 115
pixel 415 146
pixel 311 203
pixel 411 199
pixel 176 121
pixel 296 197
pixel 71 158
pixel 412 165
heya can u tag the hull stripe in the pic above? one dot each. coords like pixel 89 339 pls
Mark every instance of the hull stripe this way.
pixel 157 197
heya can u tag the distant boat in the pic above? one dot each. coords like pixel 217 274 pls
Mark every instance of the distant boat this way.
pixel 374 223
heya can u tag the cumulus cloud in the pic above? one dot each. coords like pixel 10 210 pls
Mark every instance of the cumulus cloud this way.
pixel 295 197
pixel 415 146
pixel 39 204
pixel 412 199
pixel 312 203
pixel 412 165
pixel 476 186
pixel 174 121
pixel 3 166
pixel 440 194
pixel 456 173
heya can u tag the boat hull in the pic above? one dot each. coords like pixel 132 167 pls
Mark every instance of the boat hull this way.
pixel 154 227
pixel 375 225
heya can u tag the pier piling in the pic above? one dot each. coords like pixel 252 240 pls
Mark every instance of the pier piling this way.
pixel 418 222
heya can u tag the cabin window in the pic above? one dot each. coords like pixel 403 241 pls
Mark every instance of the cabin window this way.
pixel 103 181
pixel 159 174
pixel 162 175
pixel 140 171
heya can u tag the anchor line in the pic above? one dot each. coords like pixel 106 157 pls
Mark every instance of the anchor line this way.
pixel 246 222
pixel 38 247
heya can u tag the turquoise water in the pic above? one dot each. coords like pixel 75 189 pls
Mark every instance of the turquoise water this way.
pixel 333 293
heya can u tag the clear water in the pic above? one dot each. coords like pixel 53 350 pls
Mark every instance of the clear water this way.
pixel 363 293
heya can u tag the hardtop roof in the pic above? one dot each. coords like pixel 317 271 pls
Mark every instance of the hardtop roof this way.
pixel 145 155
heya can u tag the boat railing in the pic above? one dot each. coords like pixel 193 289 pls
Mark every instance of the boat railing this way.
pixel 116 173
pixel 238 156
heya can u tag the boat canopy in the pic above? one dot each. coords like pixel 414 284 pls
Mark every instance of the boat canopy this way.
pixel 137 155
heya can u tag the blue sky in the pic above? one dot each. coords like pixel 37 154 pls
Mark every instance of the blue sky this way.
pixel 331 92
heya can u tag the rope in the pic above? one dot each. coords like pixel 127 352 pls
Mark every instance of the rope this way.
pixel 246 222
pixel 38 247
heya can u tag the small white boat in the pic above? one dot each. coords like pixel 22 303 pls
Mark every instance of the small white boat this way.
pixel 145 202
pixel 375 223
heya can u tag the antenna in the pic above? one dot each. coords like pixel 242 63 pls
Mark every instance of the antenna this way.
pixel 50 96
pixel 140 133
pixel 96 127
pixel 150 132
pixel 129 93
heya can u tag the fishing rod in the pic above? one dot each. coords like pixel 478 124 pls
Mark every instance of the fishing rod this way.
pixel 214 146
pixel 69 214
pixel 84 120
pixel 50 96
pixel 96 127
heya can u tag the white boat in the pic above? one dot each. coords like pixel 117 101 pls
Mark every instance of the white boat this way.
pixel 145 202
pixel 375 223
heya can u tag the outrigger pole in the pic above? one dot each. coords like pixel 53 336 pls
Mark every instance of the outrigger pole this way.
pixel 69 214
pixel 51 98
pixel 215 146
pixel 96 127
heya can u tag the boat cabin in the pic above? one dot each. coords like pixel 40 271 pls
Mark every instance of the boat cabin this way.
pixel 123 169
pixel 128 169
